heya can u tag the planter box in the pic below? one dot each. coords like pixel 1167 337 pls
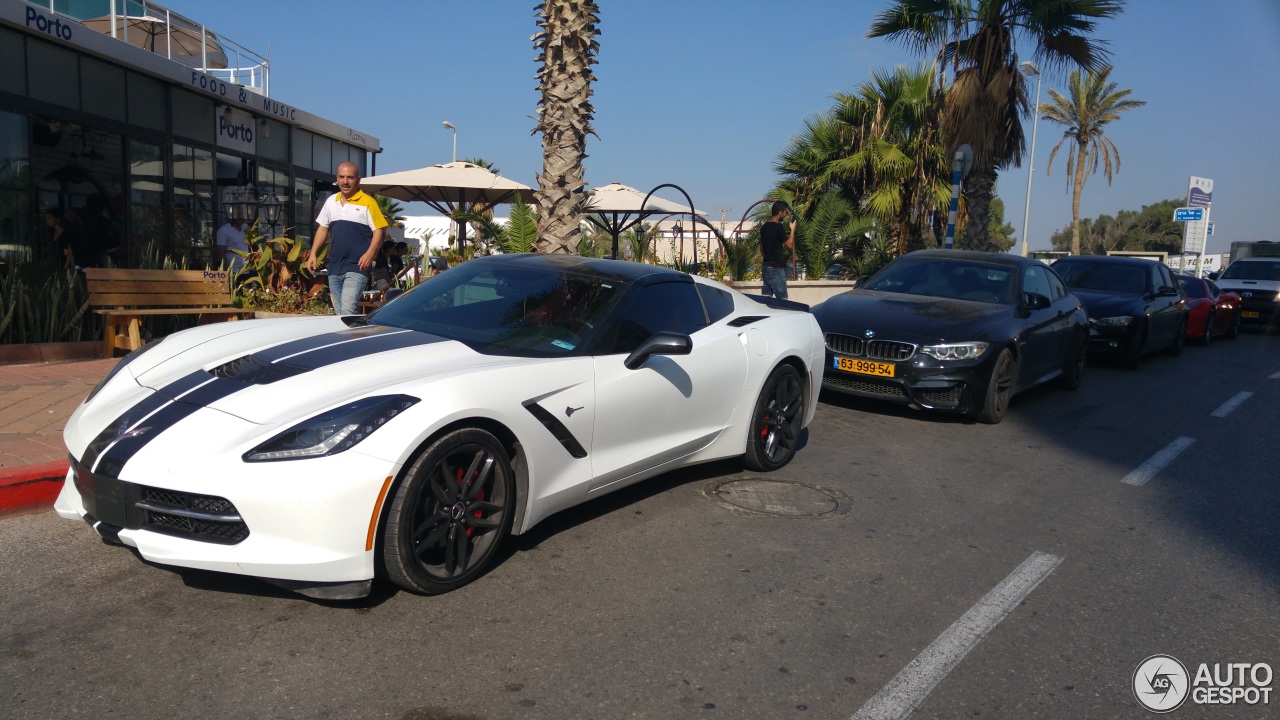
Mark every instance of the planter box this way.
pixel 50 352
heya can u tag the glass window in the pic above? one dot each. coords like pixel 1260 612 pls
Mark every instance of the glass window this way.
pixel 1055 282
pixel 193 204
pixel 273 140
pixel 304 209
pixel 507 310
pixel 322 155
pixel 146 102
pixel 193 116
pixel 53 74
pixel 14 62
pixel 302 148
pixel 146 194
pixel 273 193
pixel 357 156
pixel 17 228
pixel 663 307
pixel 719 303
pixel 102 87
pixel 1035 281
pixel 80 171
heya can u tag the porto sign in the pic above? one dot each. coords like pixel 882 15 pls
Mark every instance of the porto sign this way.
pixel 1188 214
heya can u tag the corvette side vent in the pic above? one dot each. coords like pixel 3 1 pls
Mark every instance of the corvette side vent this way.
pixel 557 429
pixel 252 371
pixel 745 320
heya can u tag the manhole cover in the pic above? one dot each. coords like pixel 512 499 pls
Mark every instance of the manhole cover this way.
pixel 776 497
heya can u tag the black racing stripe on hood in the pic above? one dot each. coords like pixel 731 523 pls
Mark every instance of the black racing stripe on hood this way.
pixel 183 397
pixel 146 406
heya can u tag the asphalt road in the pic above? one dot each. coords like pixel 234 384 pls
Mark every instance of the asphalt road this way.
pixel 969 571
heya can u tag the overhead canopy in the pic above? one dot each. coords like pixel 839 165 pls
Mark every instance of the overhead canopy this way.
pixel 446 186
pixel 167 37
pixel 612 207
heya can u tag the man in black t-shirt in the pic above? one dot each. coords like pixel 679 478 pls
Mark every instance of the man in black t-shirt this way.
pixel 773 238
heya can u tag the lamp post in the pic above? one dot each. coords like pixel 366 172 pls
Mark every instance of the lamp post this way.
pixel 1029 68
pixel 449 126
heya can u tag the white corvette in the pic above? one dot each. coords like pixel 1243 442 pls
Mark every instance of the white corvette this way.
pixel 320 453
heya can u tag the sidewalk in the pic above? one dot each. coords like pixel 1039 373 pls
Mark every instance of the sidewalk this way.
pixel 35 402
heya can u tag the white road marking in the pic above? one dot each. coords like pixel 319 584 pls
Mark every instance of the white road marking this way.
pixel 1275 376
pixel 1231 404
pixel 1150 468
pixel 904 693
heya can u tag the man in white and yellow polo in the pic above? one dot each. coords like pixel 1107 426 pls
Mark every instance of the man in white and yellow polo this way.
pixel 355 223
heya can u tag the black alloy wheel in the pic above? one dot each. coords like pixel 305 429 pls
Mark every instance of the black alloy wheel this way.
pixel 450 514
pixel 1004 375
pixel 775 426
pixel 1207 337
pixel 1073 372
pixel 1179 339
pixel 1234 331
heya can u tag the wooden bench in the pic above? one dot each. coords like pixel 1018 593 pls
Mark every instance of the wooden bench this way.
pixel 124 297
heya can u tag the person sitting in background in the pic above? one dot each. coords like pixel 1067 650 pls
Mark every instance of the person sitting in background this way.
pixel 381 274
pixel 396 259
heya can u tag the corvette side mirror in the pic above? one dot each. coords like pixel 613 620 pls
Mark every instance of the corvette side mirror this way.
pixel 663 343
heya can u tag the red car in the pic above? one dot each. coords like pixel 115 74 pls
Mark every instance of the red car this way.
pixel 1214 313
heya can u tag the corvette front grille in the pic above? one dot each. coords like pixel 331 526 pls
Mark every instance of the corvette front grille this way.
pixel 198 517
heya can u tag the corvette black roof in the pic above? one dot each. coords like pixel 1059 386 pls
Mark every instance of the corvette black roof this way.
pixel 605 269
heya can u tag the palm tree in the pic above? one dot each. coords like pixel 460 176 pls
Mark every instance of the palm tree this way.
pixel 391 209
pixel 567 47
pixel 1094 102
pixel 978 40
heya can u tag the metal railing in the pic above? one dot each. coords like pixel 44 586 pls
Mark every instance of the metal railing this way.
pixel 151 26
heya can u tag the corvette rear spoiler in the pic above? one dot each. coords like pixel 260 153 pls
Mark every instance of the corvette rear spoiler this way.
pixel 774 302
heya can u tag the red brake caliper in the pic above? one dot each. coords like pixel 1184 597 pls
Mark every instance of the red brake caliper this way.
pixel 479 496
pixel 764 431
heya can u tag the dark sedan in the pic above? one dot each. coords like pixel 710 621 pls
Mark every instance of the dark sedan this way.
pixel 954 331
pixel 1135 305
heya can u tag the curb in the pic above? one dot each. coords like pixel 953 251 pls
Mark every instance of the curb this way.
pixel 30 487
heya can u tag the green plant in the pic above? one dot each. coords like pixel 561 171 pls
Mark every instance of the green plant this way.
pixel 54 309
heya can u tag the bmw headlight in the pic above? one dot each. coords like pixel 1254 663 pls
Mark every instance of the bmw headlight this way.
pixel 120 366
pixel 1117 321
pixel 956 351
pixel 332 432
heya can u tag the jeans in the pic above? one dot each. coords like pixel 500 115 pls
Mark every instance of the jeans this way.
pixel 775 282
pixel 344 291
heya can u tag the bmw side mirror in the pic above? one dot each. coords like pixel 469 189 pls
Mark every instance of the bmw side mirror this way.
pixel 663 343
pixel 1035 301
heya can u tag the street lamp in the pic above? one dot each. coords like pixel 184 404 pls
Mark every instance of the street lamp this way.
pixel 1029 68
pixel 449 126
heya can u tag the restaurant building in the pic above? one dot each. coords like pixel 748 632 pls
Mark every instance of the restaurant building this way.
pixel 149 130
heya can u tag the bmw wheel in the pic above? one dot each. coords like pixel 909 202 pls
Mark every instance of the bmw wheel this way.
pixel 450 514
pixel 775 421
pixel 1073 372
pixel 999 389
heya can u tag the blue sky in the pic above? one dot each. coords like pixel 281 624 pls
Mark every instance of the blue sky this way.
pixel 705 94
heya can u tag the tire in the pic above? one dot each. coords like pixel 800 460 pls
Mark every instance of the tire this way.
pixel 1207 336
pixel 775 422
pixel 1133 354
pixel 1234 331
pixel 439 534
pixel 1179 340
pixel 1004 375
pixel 1073 373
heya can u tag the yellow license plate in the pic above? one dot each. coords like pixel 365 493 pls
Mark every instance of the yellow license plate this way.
pixel 1249 314
pixel 865 367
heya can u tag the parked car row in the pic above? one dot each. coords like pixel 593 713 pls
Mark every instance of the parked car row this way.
pixel 963 332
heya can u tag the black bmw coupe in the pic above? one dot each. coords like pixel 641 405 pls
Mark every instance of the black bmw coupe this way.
pixel 954 331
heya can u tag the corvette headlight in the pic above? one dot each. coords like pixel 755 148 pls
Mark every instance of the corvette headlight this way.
pixel 332 432
pixel 955 351
pixel 120 366
pixel 1117 321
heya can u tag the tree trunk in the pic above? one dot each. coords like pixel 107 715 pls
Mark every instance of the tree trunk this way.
pixel 567 46
pixel 978 189
pixel 1077 187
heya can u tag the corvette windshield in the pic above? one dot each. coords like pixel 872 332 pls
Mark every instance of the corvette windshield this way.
pixel 947 279
pixel 528 312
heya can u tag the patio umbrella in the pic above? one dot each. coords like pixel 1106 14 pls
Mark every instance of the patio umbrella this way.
pixel 446 186
pixel 167 37
pixel 616 203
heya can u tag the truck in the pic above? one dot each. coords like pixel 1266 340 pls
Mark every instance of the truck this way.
pixel 1257 248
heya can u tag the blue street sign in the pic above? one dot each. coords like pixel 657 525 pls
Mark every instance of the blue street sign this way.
pixel 1210 228
pixel 1188 214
